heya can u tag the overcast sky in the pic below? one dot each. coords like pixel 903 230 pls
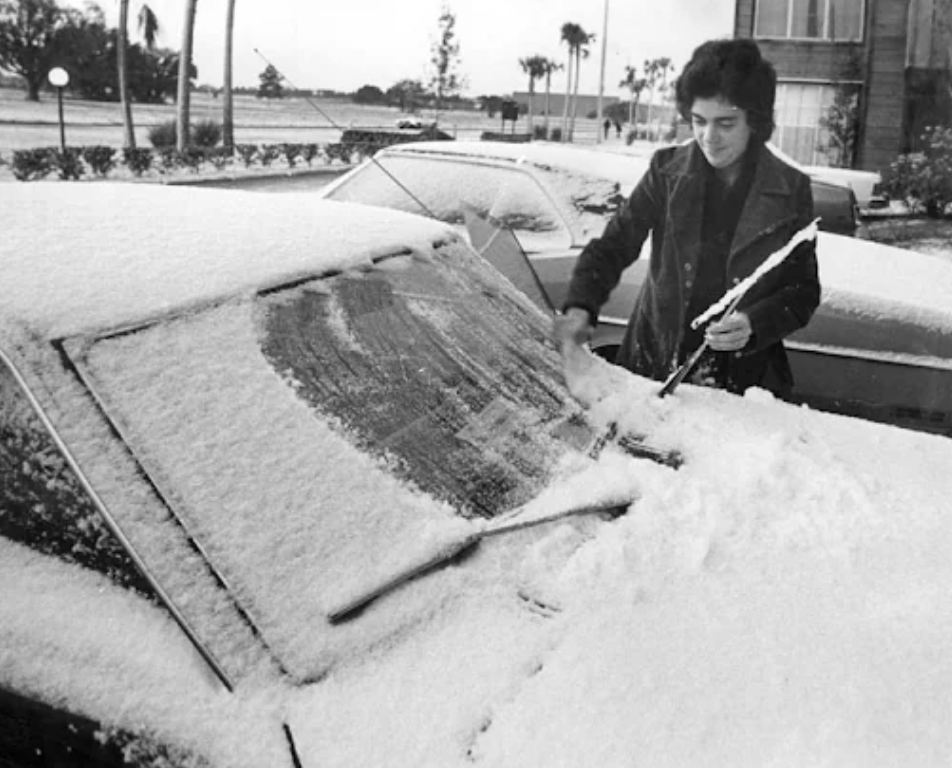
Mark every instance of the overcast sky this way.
pixel 344 45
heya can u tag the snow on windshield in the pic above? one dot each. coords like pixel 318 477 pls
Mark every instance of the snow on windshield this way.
pixel 419 382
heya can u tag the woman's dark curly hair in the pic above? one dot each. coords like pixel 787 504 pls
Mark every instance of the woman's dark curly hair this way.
pixel 733 70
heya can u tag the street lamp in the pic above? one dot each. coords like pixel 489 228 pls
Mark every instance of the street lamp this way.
pixel 59 78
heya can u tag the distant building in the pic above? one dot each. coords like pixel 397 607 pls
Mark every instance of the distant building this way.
pixel 885 54
pixel 586 104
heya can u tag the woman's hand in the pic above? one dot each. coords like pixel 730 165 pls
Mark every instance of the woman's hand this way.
pixel 572 329
pixel 730 334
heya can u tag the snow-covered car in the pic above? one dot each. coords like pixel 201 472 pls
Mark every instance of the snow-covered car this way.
pixel 879 346
pixel 228 421
pixel 867 186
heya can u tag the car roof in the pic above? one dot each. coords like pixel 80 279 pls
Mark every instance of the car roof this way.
pixel 77 257
pixel 626 169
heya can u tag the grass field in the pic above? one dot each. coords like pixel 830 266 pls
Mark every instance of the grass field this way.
pixel 25 124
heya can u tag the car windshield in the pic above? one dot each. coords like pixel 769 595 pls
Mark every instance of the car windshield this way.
pixel 439 187
pixel 327 422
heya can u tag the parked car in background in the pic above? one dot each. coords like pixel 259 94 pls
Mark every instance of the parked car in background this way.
pixel 873 348
pixel 866 185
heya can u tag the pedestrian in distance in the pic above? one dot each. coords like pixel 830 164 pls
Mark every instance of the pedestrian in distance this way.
pixel 606 126
pixel 716 208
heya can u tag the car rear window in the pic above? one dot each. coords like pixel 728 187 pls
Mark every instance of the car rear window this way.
pixel 437 187
pixel 299 435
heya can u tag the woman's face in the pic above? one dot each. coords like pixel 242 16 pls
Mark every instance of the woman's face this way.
pixel 721 130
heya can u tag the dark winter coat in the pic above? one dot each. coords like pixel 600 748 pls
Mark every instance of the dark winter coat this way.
pixel 669 203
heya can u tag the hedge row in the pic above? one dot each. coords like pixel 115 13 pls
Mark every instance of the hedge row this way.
pixel 74 162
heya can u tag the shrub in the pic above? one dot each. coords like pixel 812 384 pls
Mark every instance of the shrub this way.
pixel 538 132
pixel 206 133
pixel 219 157
pixel 163 135
pixel 32 164
pixel 191 158
pixel 291 153
pixel 334 152
pixel 100 159
pixel 69 163
pixel 555 134
pixel 137 160
pixel 924 179
pixel 309 152
pixel 267 154
pixel 169 159
pixel 248 153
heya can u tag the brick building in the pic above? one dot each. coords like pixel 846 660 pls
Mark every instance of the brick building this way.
pixel 887 58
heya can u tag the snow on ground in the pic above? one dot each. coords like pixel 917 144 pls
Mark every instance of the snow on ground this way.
pixel 780 600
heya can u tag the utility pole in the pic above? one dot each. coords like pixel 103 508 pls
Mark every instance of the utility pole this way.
pixel 601 80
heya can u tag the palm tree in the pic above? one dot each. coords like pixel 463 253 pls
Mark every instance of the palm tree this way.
pixel 184 83
pixel 570 33
pixel 149 27
pixel 550 67
pixel 651 75
pixel 534 66
pixel 664 66
pixel 576 39
pixel 635 86
pixel 581 52
pixel 228 106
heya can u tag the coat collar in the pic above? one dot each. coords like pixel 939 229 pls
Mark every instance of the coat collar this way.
pixel 767 204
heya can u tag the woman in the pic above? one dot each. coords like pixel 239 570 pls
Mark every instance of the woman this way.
pixel 716 208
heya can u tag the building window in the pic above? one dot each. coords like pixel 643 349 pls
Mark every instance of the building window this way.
pixel 799 109
pixel 810 19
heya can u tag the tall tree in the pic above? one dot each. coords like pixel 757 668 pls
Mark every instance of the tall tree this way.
pixel 550 67
pixel 406 94
pixel 570 33
pixel 535 67
pixel 182 123
pixel 446 82
pixel 651 75
pixel 635 86
pixel 149 28
pixel 664 66
pixel 580 49
pixel 228 102
pixel 30 36
pixel 270 84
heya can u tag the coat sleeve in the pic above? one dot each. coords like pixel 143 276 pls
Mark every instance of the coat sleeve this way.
pixel 602 262
pixel 776 315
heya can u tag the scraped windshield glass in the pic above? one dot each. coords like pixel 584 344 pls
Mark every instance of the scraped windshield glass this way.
pixel 301 434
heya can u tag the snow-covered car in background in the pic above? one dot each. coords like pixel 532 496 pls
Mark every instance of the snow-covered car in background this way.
pixel 227 419
pixel 879 346
pixel 866 185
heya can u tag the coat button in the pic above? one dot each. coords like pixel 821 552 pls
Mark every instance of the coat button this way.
pixel 736 280
pixel 687 267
